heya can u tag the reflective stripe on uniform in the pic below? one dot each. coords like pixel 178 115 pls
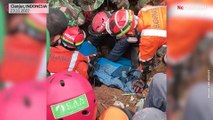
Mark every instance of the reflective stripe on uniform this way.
pixel 107 27
pixel 154 32
pixel 201 11
pixel 73 60
pixel 151 7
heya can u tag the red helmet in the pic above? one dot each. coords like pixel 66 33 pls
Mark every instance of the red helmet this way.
pixel 70 97
pixel 24 102
pixel 99 21
pixel 121 23
pixel 73 36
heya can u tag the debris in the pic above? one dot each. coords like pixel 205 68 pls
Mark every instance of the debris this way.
pixel 104 105
pixel 127 105
pixel 140 104
pixel 114 98
pixel 128 94
pixel 119 104
pixel 131 99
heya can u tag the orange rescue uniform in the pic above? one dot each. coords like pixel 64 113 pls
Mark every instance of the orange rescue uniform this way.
pixel 62 59
pixel 152 26
pixel 188 22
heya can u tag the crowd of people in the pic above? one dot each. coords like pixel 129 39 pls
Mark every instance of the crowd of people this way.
pixel 139 35
pixel 118 43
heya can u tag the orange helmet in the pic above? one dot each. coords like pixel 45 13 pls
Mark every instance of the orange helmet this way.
pixel 115 113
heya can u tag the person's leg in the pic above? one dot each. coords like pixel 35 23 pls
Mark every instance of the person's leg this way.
pixel 149 114
pixel 157 92
pixel 162 47
pixel 199 104
pixel 148 48
pixel 118 50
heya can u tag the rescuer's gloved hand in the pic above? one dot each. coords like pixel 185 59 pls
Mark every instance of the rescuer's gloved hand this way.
pixel 139 85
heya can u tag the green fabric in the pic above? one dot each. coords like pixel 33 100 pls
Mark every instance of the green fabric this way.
pixel 56 3
pixel 73 12
pixel 98 3
pixel 89 5
pixel 47 44
pixel 2 29
pixel 47 49
pixel 142 3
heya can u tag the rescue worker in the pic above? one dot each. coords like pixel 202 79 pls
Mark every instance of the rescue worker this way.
pixel 90 7
pixel 65 57
pixel 152 27
pixel 98 35
pixel 121 25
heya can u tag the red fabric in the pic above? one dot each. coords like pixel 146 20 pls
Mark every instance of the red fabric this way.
pixel 22 58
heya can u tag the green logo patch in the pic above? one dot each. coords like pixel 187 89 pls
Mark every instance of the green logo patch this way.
pixel 70 107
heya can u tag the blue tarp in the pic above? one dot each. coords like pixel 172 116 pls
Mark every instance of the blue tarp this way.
pixel 116 74
pixel 87 49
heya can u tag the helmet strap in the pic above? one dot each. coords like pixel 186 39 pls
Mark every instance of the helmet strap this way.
pixel 67 45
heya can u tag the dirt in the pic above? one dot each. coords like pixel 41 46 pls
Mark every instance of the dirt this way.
pixel 108 96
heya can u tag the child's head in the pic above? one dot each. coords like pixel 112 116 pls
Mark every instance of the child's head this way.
pixel 56 24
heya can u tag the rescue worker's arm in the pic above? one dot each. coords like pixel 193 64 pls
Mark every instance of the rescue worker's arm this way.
pixel 82 66
pixel 82 69
pixel 118 50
